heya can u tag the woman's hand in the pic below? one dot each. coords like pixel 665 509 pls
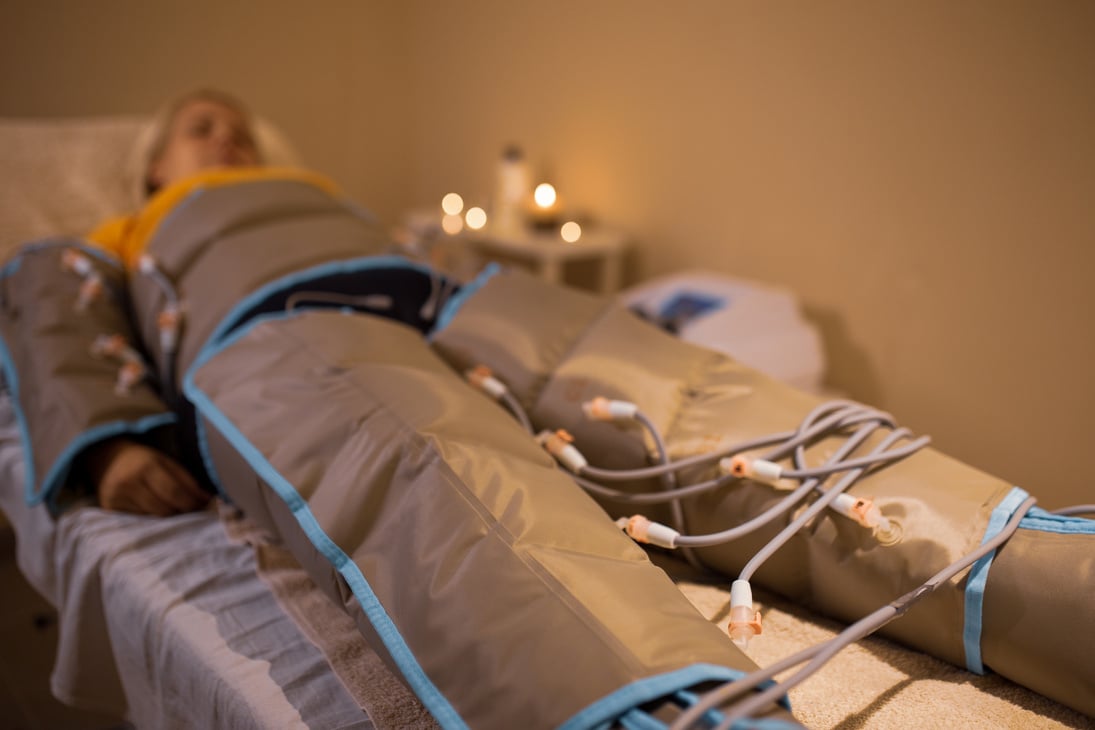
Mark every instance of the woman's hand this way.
pixel 132 477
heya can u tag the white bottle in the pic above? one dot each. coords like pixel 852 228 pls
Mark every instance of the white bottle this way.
pixel 512 188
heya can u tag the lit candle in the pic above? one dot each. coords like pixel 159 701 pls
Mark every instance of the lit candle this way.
pixel 544 211
pixel 476 218
pixel 570 232
pixel 545 196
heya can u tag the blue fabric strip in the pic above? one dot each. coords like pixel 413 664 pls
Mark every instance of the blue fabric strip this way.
pixel 12 266
pixel 271 288
pixel 687 699
pixel 203 357
pixel 978 577
pixel 431 697
pixel 641 691
pixel 453 305
pixel 638 720
pixel 11 379
pixel 714 717
pixel 58 473
pixel 764 723
pixel 1042 521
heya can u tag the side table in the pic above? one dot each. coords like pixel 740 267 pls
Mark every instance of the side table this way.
pixel 548 253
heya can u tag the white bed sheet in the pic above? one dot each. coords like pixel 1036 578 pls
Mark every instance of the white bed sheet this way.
pixel 165 621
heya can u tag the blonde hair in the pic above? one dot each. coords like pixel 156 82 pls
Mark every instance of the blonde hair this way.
pixel 161 127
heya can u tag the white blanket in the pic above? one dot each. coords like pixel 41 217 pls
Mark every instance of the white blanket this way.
pixel 165 621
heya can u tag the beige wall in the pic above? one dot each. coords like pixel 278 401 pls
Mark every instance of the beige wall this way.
pixel 921 173
pixel 329 72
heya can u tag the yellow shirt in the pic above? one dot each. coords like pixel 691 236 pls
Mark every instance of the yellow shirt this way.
pixel 127 237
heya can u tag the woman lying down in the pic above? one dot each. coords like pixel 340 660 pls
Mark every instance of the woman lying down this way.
pixel 248 332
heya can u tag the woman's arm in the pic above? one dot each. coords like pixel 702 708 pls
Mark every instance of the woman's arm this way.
pixel 131 477
pixel 77 378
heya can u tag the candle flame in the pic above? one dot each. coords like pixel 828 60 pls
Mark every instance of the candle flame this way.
pixel 544 195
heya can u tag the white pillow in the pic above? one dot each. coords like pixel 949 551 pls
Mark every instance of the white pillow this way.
pixel 65 176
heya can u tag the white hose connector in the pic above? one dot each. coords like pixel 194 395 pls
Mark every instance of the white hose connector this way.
pixel 131 373
pixel 744 620
pixel 80 264
pixel 864 511
pixel 641 529
pixel 560 444
pixel 147 265
pixel 114 346
pixel 169 322
pixel 759 470
pixel 90 290
pixel 603 409
pixel 481 377
pixel 133 368
pixel 76 261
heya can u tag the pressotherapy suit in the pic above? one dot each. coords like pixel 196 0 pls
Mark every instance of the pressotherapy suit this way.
pixel 317 381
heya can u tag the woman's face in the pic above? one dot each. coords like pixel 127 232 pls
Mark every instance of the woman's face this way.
pixel 203 134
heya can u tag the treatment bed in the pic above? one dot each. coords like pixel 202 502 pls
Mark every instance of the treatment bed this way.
pixel 196 621
pixel 202 621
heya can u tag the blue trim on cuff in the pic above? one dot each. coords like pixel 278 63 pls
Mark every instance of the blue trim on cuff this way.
pixel 11 378
pixel 60 468
pixel 453 305
pixel 58 473
pixel 638 720
pixel 11 266
pixel 397 647
pixel 205 355
pixel 713 717
pixel 641 691
pixel 1040 520
pixel 764 723
pixel 39 244
pixel 348 266
pixel 978 577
